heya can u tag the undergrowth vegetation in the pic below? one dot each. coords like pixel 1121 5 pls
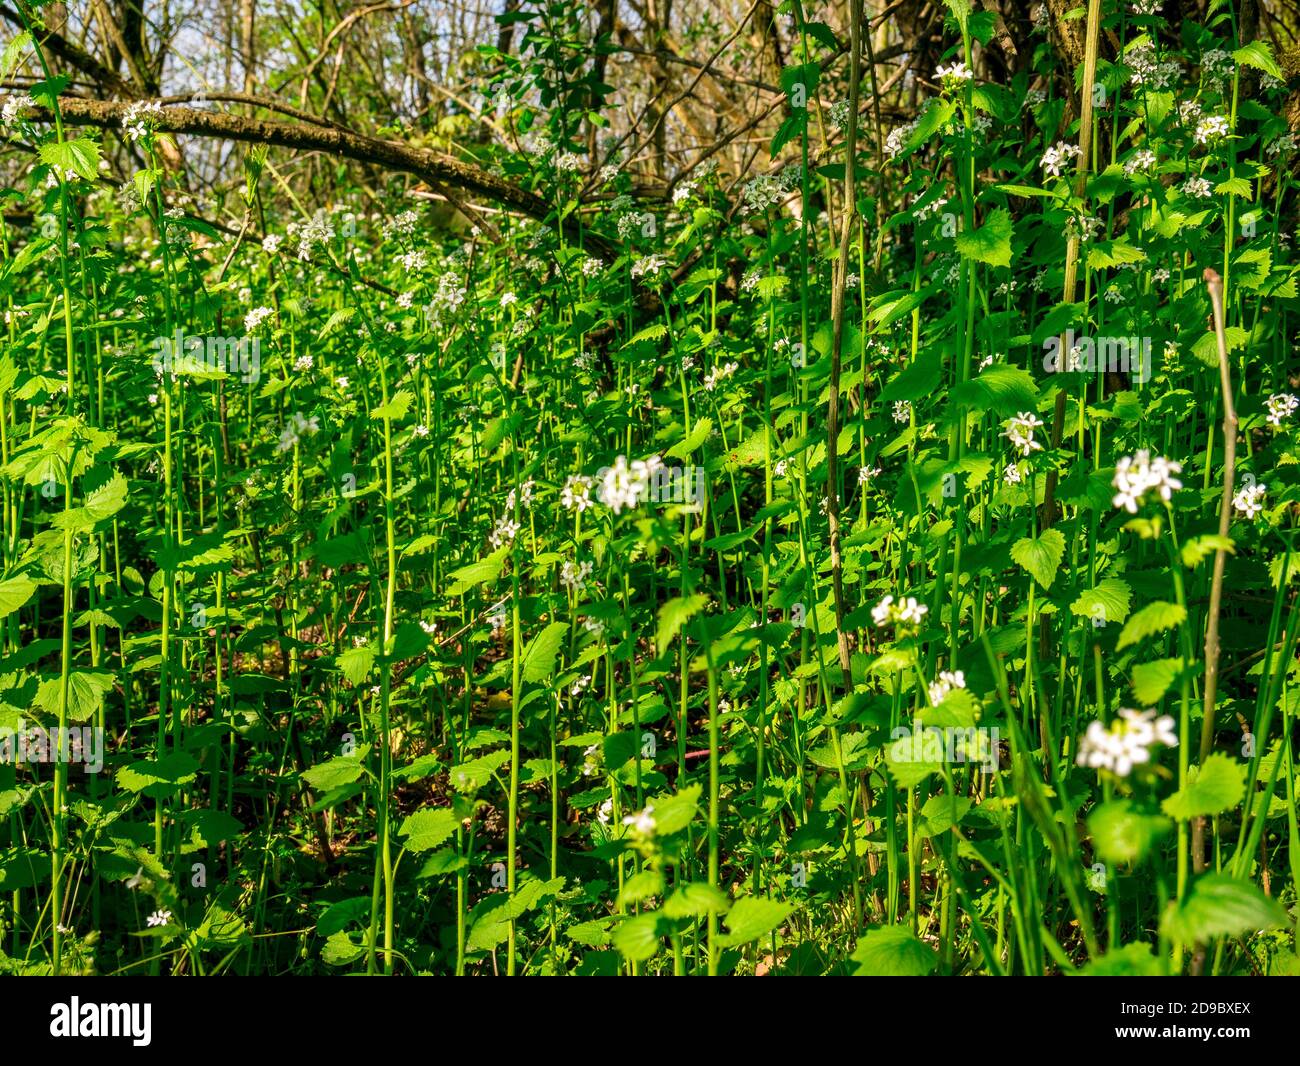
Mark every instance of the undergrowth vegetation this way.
pixel 881 559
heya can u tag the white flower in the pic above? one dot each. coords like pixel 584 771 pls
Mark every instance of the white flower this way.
pixel 1196 188
pixel 1020 432
pixel 1280 405
pixel 1011 475
pixel 607 173
pixel 296 429
pixel 303 362
pixel 906 611
pixel 953 75
pixel 1056 158
pixel 15 105
pixel 902 410
pixel 316 230
pixel 1250 500
pixel 948 680
pixel 718 374
pixel 780 467
pixel 1211 128
pixel 1138 474
pixel 651 266
pixel 160 917
pixel 642 823
pixel 1127 743
pixel 341 384
pixel 421 430
pixel 1142 160
pixel 256 317
pixel 1145 7
pixel 574 576
pixel 620 487
pixel 525 495
pixel 576 494
pixel 141 117
pixel 866 473
pixel 271 243
pixel 508 299
pixel 683 192
pixel 603 814
pixel 504 532
pixel 405 300
pixel 430 628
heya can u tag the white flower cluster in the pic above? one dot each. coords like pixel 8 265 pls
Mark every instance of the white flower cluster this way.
pixel 1058 157
pixel 954 75
pixel 1217 65
pixel 766 190
pixel 576 494
pixel 573 576
pixel 1211 128
pixel 402 225
pixel 1149 72
pixel 504 532
pixel 719 374
pixel 1138 474
pixel 1280 405
pixel 256 317
pixel 1196 188
pixel 318 229
pixel 623 486
pixel 649 267
pixel 1020 432
pixel 1142 161
pixel 141 117
pixel 16 106
pixel 1127 743
pixel 948 680
pixel 902 410
pixel 296 429
pixel 1249 500
pixel 905 612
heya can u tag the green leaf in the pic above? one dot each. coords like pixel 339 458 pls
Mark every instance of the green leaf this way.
pixel 395 409
pixel 1041 555
pixel 541 653
pixel 893 951
pixel 998 387
pixel 158 776
pixel 674 614
pixel 673 813
pixel 1153 618
pixel 752 917
pixel 1259 55
pixel 1152 680
pixel 426 829
pixel 356 663
pixel 86 692
pixel 1122 833
pixel 1217 785
pixel 1220 905
pixel 14 592
pixel 79 157
pixel 482 572
pixel 327 776
pixel 991 243
pixel 637 937
pixel 1106 603
pixel 13 53
pixel 1132 960
pixel 699 434
pixel 695 899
